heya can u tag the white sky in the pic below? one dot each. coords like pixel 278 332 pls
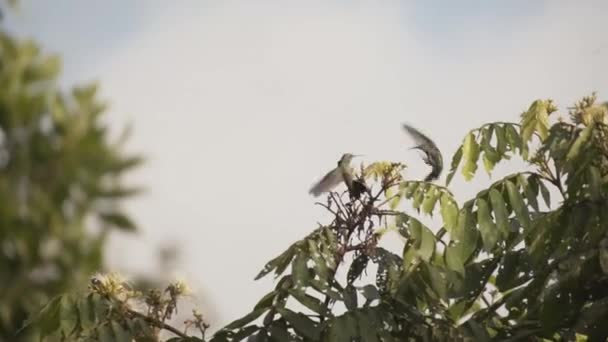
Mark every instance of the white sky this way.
pixel 240 107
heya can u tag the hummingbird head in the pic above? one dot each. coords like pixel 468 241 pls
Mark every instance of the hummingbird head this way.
pixel 347 157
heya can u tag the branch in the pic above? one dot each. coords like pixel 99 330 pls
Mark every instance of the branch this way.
pixel 158 324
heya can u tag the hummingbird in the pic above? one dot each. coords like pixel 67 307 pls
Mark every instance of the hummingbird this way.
pixel 432 155
pixel 342 173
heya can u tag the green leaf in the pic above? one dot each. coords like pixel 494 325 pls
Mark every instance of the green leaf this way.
pixel 454 259
pixel 301 324
pixel 437 280
pixel 500 211
pixel 86 313
pixel 118 220
pixel 266 301
pixel 368 325
pixel 357 267
pixel 449 211
pixel 465 233
pixel 319 262
pixel 343 328
pixel 514 139
pixel 105 334
pixel 545 193
pixel 120 334
pixel 250 317
pixel 470 154
pixel 536 119
pixel 455 162
pixel 430 198
pixel 279 263
pixel 489 232
pixel 300 270
pixel 490 159
pixel 371 293
pixel 309 301
pixel 595 182
pixel 69 314
pixel 530 188
pixel 280 334
pixel 580 141
pixel 512 271
pixel 48 319
pixel 501 139
pixel 424 239
pixel 418 196
pixel 518 205
pixel 350 297
pixel 247 331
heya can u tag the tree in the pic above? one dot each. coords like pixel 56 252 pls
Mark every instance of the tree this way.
pixel 525 259
pixel 60 184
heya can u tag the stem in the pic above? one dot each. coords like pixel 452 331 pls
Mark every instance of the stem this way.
pixel 158 324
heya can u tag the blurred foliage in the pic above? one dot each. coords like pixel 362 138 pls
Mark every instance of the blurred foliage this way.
pixel 525 259
pixel 60 184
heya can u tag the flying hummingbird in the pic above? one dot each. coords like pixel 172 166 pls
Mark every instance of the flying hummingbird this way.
pixel 342 173
pixel 432 155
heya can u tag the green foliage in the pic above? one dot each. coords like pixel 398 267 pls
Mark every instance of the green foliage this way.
pixel 510 264
pixel 105 313
pixel 60 185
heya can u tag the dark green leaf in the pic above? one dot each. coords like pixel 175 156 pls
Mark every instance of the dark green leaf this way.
pixel 309 301
pixel 489 232
pixel 518 205
pixel 105 334
pixel 49 317
pixel 301 323
pixel 120 334
pixel 118 220
pixel 300 270
pixel 319 262
pixel 266 301
pixel 368 325
pixel 69 314
pixel 500 211
pixel 279 263
pixel 501 139
pixel 250 317
pixel 350 297
pixel 357 267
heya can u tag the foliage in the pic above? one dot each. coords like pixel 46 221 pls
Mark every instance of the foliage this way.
pixel 60 183
pixel 509 264
pixel 105 313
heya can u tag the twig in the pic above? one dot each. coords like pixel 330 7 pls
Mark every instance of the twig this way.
pixel 158 324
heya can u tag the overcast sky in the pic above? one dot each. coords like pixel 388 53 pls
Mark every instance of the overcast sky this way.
pixel 240 106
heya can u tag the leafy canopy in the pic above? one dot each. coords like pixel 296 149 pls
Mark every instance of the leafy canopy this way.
pixel 60 183
pixel 524 259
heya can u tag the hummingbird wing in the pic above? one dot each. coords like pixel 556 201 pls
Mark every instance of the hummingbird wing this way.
pixel 420 139
pixel 433 156
pixel 328 182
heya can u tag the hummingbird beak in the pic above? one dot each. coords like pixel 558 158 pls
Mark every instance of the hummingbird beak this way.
pixel 358 155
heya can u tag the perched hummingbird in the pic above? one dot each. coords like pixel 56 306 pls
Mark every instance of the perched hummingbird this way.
pixel 432 155
pixel 342 173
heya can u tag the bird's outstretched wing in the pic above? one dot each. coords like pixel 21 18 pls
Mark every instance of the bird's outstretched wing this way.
pixel 419 137
pixel 432 157
pixel 328 182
